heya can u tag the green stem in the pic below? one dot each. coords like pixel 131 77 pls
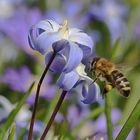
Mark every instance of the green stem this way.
pixel 108 116
pixel 137 130
pixel 59 103
pixel 37 96
pixel 131 121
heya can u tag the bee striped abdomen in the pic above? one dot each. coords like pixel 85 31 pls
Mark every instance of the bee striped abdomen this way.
pixel 121 83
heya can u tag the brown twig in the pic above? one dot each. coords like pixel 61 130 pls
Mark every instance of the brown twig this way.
pixel 37 96
pixel 53 114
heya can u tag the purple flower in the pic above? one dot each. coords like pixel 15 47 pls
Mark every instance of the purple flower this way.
pixel 71 46
pixel 20 80
pixel 76 79
pixel 17 25
pixel 113 14
pixel 72 43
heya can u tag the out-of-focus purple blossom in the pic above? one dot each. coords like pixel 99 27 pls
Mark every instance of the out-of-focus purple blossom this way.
pixel 113 14
pixel 86 131
pixel 20 80
pixel 16 26
pixel 101 121
pixel 137 29
pixel 76 115
pixel 94 129
pixel 72 10
pixel 59 117
pixel 100 126
pixel 74 44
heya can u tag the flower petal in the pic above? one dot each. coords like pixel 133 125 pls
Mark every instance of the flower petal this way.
pixel 67 81
pixel 45 41
pixel 82 39
pixel 84 91
pixel 92 93
pixel 59 45
pixel 58 62
pixel 48 25
pixel 31 38
pixel 74 58
pixel 43 35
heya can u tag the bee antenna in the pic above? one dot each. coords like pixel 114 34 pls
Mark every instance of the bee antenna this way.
pixel 95 79
pixel 91 83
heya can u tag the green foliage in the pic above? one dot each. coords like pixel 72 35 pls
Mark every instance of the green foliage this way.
pixel 103 47
pixel 130 123
pixel 12 132
pixel 108 117
pixel 51 107
pixel 13 114
pixel 115 48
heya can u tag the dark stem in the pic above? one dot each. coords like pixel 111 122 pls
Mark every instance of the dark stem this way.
pixel 53 114
pixel 37 96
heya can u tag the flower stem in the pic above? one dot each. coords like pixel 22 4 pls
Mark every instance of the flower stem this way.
pixel 108 116
pixel 53 114
pixel 37 96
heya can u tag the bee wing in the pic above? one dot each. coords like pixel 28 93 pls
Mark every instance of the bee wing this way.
pixel 125 68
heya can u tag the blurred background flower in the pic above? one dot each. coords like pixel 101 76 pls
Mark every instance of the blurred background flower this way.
pixel 17 25
pixel 105 21
pixel 113 14
pixel 20 80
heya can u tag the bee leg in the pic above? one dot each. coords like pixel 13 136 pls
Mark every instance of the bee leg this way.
pixel 107 87
pixel 103 91
pixel 96 78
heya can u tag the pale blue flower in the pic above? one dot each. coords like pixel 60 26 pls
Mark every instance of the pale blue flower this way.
pixel 71 42
pixel 75 79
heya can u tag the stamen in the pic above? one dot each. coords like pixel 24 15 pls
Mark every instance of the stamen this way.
pixel 64 31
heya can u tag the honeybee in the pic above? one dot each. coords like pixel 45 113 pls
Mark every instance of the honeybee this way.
pixel 107 71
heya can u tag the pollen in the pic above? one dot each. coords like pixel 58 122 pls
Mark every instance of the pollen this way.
pixel 64 31
pixel 108 87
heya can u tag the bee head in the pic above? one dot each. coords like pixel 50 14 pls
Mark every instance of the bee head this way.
pixel 93 63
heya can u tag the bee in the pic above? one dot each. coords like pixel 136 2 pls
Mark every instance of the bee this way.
pixel 107 71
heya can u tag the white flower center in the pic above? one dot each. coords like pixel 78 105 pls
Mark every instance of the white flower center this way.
pixel 81 70
pixel 64 31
